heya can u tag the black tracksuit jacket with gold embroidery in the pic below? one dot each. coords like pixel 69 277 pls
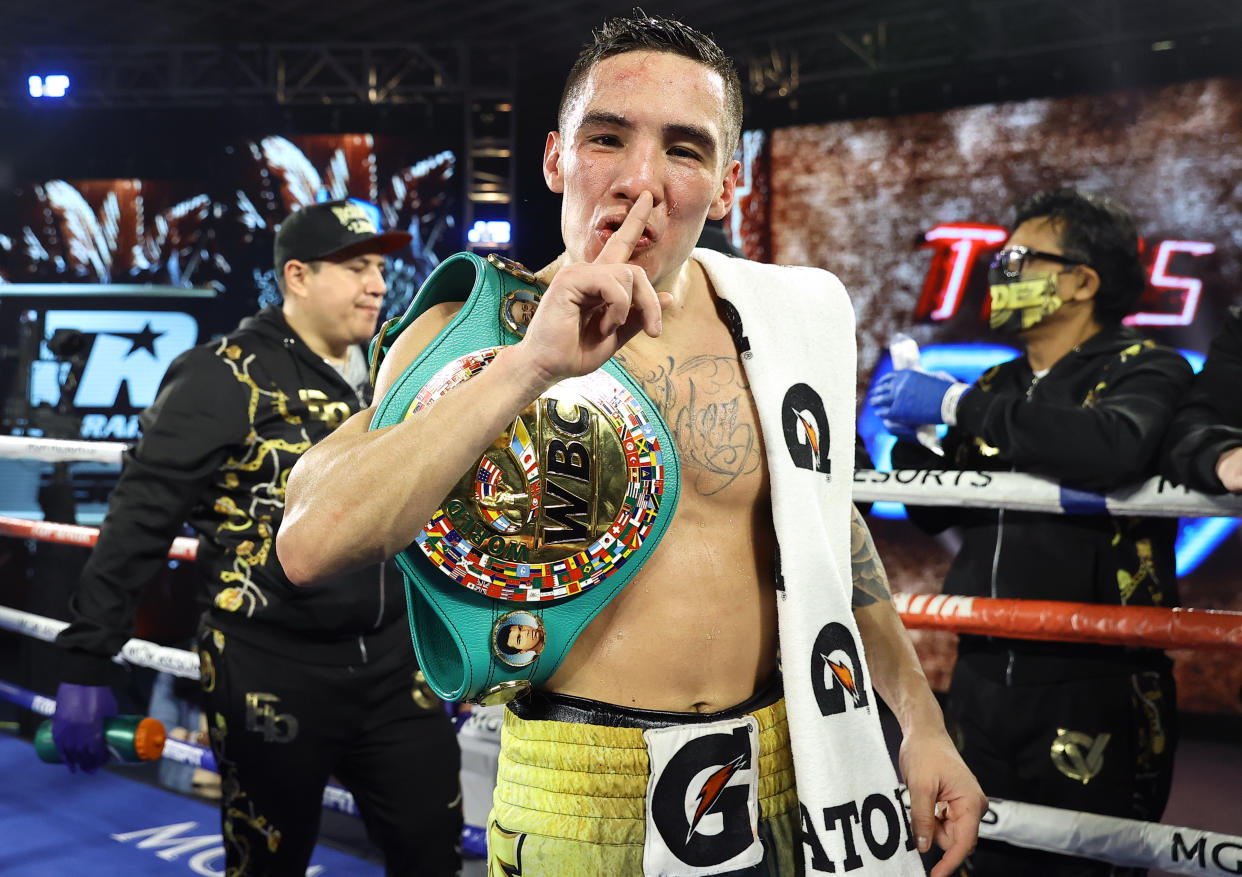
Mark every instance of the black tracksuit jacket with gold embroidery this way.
pixel 231 418
pixel 1209 422
pixel 1095 422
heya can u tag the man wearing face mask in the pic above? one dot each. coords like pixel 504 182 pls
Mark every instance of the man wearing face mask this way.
pixel 1078 726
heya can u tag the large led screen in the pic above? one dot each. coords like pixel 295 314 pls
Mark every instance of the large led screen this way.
pixel 143 269
pixel 104 282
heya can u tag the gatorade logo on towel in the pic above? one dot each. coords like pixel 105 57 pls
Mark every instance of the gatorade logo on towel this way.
pixel 703 798
pixel 838 675
pixel 805 424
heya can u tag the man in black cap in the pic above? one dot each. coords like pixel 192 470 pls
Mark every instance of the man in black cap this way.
pixel 298 684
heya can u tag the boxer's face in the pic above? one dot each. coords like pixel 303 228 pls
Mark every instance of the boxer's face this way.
pixel 643 121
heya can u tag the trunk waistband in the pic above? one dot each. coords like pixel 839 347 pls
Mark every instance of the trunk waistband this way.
pixel 544 706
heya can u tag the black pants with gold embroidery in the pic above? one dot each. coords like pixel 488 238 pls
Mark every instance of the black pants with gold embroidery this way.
pixel 1095 743
pixel 281 726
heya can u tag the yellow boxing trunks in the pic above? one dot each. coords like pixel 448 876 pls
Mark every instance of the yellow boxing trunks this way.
pixel 586 788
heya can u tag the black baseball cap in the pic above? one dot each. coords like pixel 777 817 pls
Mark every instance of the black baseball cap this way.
pixel 318 231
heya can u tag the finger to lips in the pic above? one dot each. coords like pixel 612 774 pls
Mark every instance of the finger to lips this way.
pixel 620 247
pixel 617 298
pixel 650 303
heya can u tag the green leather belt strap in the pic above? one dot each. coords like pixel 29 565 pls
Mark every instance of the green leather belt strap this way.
pixel 557 516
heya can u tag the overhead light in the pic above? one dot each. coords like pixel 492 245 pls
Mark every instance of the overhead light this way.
pixel 1163 46
pixel 490 232
pixel 50 86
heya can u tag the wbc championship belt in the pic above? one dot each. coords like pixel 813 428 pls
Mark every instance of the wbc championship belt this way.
pixel 554 518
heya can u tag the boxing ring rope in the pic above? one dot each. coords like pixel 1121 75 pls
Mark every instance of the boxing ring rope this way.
pixel 1124 842
pixel 974 489
pixel 1154 497
pixel 138 652
pixel 183 547
pixel 1010 490
pixel 44 450
pixel 1148 626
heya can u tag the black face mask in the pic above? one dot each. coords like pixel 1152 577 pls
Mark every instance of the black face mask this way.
pixel 1019 304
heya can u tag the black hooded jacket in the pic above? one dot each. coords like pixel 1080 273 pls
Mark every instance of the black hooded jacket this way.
pixel 1209 421
pixel 1095 422
pixel 231 418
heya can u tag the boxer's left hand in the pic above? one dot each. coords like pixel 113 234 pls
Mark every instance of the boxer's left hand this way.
pixel 946 802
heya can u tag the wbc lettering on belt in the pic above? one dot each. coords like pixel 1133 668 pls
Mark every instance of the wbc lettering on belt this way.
pixel 558 500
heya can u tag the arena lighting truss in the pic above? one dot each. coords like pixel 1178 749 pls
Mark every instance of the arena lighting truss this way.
pixel 787 49
pixel 908 43
pixel 262 74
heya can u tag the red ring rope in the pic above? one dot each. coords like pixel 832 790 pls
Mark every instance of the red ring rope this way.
pixel 183 548
pixel 1150 626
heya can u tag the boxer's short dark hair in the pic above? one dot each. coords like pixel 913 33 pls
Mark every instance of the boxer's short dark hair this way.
pixel 640 32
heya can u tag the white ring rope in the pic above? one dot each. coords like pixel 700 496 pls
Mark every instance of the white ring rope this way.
pixel 1031 493
pixel 59 450
pixel 139 652
pixel 1125 842
pixel 1011 490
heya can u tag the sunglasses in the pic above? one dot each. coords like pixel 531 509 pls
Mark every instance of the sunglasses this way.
pixel 1011 262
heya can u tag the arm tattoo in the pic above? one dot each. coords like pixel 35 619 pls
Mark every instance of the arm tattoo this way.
pixel 870 580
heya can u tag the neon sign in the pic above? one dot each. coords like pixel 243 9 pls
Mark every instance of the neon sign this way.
pixel 1161 279
pixel 954 251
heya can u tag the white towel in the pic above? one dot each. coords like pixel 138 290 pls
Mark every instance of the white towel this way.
pixel 799 356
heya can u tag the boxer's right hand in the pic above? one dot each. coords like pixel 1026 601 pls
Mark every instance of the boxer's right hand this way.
pixel 592 309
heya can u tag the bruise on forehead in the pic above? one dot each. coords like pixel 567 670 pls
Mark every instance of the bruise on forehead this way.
pixel 629 72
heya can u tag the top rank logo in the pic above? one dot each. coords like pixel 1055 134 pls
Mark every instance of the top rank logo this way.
pixel 127 355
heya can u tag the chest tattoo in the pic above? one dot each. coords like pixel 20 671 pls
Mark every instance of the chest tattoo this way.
pixel 705 401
